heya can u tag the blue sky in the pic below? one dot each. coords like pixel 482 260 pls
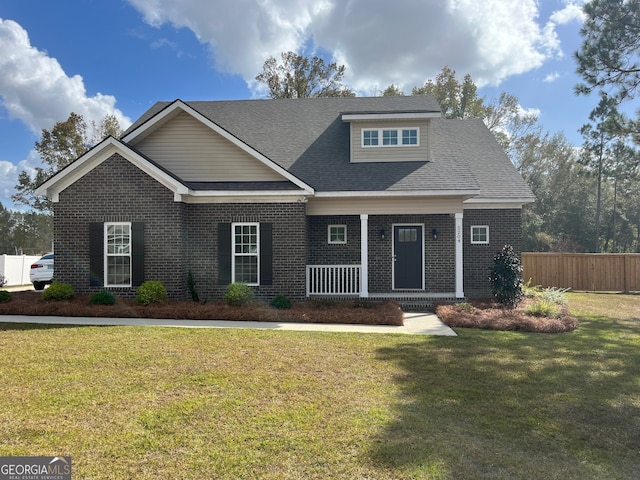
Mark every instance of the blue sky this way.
pixel 98 57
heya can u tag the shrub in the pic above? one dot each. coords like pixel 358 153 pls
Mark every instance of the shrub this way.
pixel 463 307
pixel 105 297
pixel 544 308
pixel 238 294
pixel 555 295
pixel 191 285
pixel 58 291
pixel 505 278
pixel 150 292
pixel 4 296
pixel 281 302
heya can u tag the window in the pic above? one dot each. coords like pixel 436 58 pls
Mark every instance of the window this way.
pixel 407 235
pixel 410 137
pixel 245 253
pixel 118 254
pixel 480 234
pixel 337 234
pixel 370 138
pixel 391 137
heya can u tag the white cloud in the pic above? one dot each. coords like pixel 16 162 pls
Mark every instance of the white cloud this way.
pixel 9 176
pixel 552 77
pixel 402 42
pixel 35 89
pixel 571 12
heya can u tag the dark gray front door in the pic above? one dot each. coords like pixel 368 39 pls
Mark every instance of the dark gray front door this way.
pixel 407 257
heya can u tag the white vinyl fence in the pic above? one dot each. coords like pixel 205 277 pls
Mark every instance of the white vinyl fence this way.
pixel 15 268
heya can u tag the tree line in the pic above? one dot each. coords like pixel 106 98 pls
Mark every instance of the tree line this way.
pixel 587 196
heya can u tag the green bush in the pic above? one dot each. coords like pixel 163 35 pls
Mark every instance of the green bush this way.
pixel 506 277
pixel 105 297
pixel 150 292
pixel 58 291
pixel 543 308
pixel 555 295
pixel 463 307
pixel 4 296
pixel 238 294
pixel 281 302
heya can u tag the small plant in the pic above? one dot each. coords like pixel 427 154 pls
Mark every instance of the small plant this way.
pixel 4 296
pixel 105 297
pixel 505 278
pixel 544 308
pixel 150 292
pixel 281 302
pixel 324 302
pixel 463 307
pixel 238 295
pixel 530 291
pixel 555 295
pixel 58 291
pixel 191 285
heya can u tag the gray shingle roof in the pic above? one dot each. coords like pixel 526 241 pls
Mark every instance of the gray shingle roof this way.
pixel 308 138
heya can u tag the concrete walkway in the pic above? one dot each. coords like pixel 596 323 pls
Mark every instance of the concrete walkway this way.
pixel 414 324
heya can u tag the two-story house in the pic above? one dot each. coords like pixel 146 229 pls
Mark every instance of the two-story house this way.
pixel 371 197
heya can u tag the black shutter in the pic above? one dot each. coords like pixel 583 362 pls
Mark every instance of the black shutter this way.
pixel 224 253
pixel 96 254
pixel 137 254
pixel 266 254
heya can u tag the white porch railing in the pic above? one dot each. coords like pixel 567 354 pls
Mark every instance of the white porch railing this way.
pixel 333 280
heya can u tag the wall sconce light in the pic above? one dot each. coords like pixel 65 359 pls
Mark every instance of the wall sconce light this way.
pixel 382 234
pixel 434 234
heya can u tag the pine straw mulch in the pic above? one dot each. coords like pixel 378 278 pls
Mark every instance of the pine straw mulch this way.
pixel 349 312
pixel 487 314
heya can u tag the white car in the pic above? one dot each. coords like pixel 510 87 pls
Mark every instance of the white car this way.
pixel 41 272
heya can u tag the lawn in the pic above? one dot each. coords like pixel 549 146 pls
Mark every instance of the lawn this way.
pixel 140 402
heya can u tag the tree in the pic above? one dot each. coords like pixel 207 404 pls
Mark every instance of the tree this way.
pixel 392 91
pixel 506 277
pixel 58 147
pixel 603 145
pixel 608 56
pixel 297 76
pixel 457 100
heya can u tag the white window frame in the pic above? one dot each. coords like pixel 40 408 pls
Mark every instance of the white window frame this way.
pixel 336 242
pixel 399 137
pixel 108 255
pixel 480 242
pixel 235 254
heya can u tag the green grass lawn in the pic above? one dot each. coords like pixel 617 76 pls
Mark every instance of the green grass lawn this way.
pixel 136 402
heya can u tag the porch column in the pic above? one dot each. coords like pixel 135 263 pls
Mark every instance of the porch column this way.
pixel 459 266
pixel 364 255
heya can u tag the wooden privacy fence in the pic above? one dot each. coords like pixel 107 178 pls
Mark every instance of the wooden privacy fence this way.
pixel 598 272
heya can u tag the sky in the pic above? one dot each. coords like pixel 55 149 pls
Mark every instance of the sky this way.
pixel 118 57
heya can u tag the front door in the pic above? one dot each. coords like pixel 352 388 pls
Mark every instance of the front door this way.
pixel 408 263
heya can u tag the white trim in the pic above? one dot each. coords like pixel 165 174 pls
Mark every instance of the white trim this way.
pixel 393 255
pixel 106 255
pixel 380 138
pixel 485 242
pixel 399 193
pixel 459 256
pixel 350 117
pixel 483 203
pixel 251 254
pixel 178 105
pixel 364 255
pixel 336 242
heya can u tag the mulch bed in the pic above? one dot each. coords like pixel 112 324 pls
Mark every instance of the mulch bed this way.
pixel 493 316
pixel 349 312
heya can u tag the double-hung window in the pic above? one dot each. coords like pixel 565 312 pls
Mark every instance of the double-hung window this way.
pixel 246 253
pixel 117 254
pixel 391 137
pixel 337 234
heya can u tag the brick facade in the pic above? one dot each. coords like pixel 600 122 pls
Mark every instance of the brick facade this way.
pixel 180 238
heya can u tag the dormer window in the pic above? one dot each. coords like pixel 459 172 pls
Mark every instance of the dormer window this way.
pixel 391 137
